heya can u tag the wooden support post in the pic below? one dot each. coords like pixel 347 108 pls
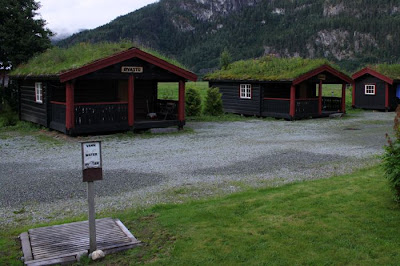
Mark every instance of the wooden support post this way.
pixel 181 104
pixel 320 97
pixel 386 96
pixel 343 98
pixel 69 105
pixel 92 217
pixel 292 111
pixel 353 95
pixel 131 100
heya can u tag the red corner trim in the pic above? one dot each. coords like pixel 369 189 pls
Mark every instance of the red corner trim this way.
pixel 374 73
pixel 125 55
pixel 321 69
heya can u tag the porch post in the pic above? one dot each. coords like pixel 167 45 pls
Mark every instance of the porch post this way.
pixel 353 95
pixel 343 98
pixel 320 97
pixel 386 96
pixel 69 105
pixel 131 107
pixel 292 111
pixel 181 103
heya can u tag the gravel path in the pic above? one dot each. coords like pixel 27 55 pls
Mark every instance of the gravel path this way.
pixel 41 181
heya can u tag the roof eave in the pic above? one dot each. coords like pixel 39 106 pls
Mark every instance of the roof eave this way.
pixel 321 69
pixel 374 73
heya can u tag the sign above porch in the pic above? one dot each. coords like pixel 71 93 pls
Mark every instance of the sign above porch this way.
pixel 131 69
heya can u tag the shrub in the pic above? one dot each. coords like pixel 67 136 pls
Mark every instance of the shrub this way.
pixel 193 102
pixel 213 105
pixel 9 119
pixel 391 157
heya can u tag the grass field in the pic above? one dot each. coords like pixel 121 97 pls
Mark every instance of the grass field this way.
pixel 348 219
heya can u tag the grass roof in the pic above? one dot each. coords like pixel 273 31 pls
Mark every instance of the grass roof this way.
pixel 392 71
pixel 57 60
pixel 268 69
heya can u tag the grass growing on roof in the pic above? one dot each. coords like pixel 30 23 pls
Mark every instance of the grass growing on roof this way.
pixel 268 68
pixel 57 60
pixel 392 71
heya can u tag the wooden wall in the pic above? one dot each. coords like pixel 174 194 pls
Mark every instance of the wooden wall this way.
pixel 29 109
pixel 377 101
pixel 231 99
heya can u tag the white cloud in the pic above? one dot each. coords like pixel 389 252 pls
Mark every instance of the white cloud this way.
pixel 70 16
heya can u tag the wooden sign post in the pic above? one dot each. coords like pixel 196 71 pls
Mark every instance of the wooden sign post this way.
pixel 91 171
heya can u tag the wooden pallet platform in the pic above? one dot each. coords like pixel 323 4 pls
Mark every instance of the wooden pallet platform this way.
pixel 67 242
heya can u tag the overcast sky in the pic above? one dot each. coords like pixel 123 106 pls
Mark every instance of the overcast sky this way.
pixel 70 16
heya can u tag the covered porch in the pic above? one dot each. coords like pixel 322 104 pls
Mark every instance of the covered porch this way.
pixel 118 105
pixel 306 96
pixel 118 93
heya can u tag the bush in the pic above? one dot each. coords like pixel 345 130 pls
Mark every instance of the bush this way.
pixel 213 104
pixel 8 119
pixel 193 102
pixel 391 157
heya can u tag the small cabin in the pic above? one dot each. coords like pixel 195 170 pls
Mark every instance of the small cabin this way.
pixel 377 87
pixel 289 88
pixel 116 92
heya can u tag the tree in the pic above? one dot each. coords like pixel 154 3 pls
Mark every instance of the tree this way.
pixel 225 59
pixel 213 105
pixel 22 34
pixel 193 102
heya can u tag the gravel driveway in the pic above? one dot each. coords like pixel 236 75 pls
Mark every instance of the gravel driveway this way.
pixel 41 181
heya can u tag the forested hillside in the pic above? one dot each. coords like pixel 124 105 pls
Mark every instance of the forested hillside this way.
pixel 351 33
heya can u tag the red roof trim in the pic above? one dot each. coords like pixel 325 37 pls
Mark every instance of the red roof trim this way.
pixel 117 58
pixel 374 73
pixel 321 69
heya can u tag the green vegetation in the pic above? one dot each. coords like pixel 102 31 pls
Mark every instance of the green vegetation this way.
pixel 213 104
pixel 267 68
pixel 308 28
pixel 342 220
pixel 390 70
pixel 391 157
pixel 192 102
pixel 57 60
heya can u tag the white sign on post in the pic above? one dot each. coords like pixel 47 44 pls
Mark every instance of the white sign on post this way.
pixel 91 155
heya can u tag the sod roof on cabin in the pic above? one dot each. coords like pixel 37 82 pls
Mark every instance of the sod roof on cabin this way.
pixel 390 71
pixel 58 60
pixel 268 69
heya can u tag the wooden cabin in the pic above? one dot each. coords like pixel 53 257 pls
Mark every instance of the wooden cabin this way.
pixel 377 87
pixel 280 88
pixel 114 93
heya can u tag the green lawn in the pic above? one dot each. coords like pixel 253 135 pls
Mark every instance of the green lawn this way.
pixel 348 219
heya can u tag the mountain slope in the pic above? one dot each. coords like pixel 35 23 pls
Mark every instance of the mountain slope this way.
pixel 351 33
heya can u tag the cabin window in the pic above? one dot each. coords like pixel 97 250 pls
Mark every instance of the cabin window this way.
pixel 245 91
pixel 38 92
pixel 370 89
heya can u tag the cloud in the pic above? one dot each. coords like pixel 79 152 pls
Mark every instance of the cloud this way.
pixel 70 16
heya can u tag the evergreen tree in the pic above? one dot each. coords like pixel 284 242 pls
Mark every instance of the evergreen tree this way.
pixel 225 59
pixel 22 35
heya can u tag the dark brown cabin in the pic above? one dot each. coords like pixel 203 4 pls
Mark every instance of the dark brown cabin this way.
pixel 374 90
pixel 298 98
pixel 116 93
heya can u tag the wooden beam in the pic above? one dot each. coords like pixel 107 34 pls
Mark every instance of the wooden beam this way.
pixel 292 111
pixel 353 92
pixel 181 103
pixel 70 105
pixel 131 100
pixel 386 96
pixel 343 98
pixel 320 97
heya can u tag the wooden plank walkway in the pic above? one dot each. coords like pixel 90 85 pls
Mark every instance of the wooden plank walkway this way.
pixel 65 243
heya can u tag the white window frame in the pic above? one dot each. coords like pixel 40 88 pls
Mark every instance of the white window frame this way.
pixel 245 91
pixel 370 89
pixel 38 92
